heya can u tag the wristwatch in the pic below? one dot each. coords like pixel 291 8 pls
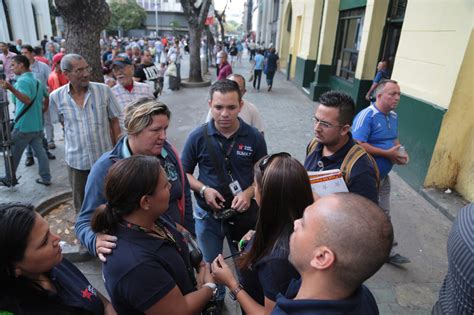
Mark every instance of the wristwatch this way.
pixel 233 293
pixel 203 189
pixel 211 286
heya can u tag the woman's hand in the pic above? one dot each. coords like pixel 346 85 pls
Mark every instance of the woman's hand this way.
pixel 104 243
pixel 222 273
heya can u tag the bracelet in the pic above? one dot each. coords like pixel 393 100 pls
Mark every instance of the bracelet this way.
pixel 203 189
pixel 233 293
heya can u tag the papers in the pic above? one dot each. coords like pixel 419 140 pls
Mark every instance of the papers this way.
pixel 327 182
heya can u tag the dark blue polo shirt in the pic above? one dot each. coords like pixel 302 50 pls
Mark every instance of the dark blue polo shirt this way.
pixel 362 181
pixel 269 276
pixel 248 147
pixel 142 269
pixel 361 302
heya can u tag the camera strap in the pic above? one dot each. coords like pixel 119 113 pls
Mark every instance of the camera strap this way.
pixel 210 149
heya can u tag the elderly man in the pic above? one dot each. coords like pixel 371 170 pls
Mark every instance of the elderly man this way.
pixel 6 58
pixel 90 113
pixel 376 129
pixel 127 90
pixel 225 69
pixel 146 122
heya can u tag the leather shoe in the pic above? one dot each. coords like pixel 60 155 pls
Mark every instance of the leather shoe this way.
pixel 29 161
pixel 51 146
pixel 51 156
pixel 398 259
pixel 42 182
pixel 6 181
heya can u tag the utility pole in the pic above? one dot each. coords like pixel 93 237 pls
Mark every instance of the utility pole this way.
pixel 156 17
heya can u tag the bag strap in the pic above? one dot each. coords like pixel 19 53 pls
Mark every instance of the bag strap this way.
pixel 25 109
pixel 354 154
pixel 311 146
pixel 212 153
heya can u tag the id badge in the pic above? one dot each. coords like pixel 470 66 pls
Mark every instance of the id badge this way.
pixel 235 187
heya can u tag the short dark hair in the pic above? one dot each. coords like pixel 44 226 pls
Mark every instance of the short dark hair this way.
pixel 22 59
pixel 225 86
pixel 27 47
pixel 341 101
pixel 38 50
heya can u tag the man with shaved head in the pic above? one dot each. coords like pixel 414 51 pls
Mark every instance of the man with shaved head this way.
pixel 341 241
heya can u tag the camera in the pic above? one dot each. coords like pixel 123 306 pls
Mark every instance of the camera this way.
pixel 225 214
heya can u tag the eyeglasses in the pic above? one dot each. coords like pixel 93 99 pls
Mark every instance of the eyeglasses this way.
pixel 82 70
pixel 264 162
pixel 324 124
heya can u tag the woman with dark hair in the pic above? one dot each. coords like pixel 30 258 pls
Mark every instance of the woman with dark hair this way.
pixel 34 277
pixel 283 191
pixel 149 271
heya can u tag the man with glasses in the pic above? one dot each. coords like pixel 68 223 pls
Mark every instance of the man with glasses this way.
pixel 376 130
pixel 91 127
pixel 333 142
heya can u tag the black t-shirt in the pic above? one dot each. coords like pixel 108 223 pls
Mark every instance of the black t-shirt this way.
pixel 142 269
pixel 75 295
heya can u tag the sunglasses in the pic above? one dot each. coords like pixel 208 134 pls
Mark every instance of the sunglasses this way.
pixel 266 160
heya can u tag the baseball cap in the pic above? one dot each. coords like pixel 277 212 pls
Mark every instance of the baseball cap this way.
pixel 121 61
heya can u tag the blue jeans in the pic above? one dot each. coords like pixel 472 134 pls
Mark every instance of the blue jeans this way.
pixel 35 139
pixel 210 234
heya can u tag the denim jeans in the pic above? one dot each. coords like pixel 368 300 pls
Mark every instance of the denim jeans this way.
pixel 35 139
pixel 210 234
pixel 48 127
pixel 257 76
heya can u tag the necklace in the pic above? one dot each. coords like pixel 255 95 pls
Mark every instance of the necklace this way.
pixel 159 230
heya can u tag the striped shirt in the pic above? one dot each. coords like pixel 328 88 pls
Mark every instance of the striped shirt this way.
pixel 87 129
pixel 124 97
pixel 456 295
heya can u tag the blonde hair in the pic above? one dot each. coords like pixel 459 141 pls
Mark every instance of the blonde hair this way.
pixel 139 114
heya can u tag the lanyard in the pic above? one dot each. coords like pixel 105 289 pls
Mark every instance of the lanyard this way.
pixel 160 231
pixel 227 154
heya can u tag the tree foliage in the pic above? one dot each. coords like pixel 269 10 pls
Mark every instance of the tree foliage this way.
pixel 126 15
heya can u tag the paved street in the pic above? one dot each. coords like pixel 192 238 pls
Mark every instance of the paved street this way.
pixel 421 230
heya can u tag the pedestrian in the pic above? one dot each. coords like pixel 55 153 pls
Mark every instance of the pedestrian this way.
pixel 146 122
pixel 90 113
pixel 31 100
pixel 334 148
pixel 271 66
pixel 252 49
pixel 382 73
pixel 150 270
pixel 283 191
pixel 6 58
pixel 225 69
pixel 375 128
pixel 35 277
pixel 148 72
pixel 127 90
pixel 225 150
pixel 257 69
pixel 41 72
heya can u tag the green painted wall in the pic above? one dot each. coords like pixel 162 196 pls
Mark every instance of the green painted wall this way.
pixel 357 89
pixel 351 4
pixel 321 81
pixel 304 73
pixel 419 125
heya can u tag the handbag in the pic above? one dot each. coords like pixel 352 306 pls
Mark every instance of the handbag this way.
pixel 25 109
pixel 241 222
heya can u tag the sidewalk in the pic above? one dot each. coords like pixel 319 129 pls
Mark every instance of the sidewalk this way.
pixel 421 230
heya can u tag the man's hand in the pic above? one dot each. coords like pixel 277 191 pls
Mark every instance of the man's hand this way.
pixel 214 198
pixel 241 202
pixel 367 97
pixel 5 85
pixel 104 243
pixel 392 154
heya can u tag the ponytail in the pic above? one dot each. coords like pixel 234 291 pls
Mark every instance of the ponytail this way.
pixel 105 219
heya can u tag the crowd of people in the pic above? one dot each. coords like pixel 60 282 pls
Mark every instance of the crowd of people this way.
pixel 295 252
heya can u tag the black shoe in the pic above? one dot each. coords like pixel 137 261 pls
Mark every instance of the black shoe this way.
pixel 29 161
pixel 398 259
pixel 42 182
pixel 6 181
pixel 50 155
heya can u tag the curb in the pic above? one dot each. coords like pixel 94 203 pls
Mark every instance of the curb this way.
pixel 73 253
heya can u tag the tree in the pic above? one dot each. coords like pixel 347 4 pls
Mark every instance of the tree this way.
pixel 125 15
pixel 83 22
pixel 195 12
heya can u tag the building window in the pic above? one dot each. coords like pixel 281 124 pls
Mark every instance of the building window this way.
pixel 7 16
pixel 349 34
